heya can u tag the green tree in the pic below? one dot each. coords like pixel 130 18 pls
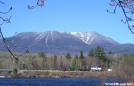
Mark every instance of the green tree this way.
pixel 68 56
pixel 81 58
pixel 81 55
pixel 41 54
pixel 110 52
pixel 91 53
pixel 75 62
pixel 55 64
pixel 44 60
pixel 14 70
pixel 100 53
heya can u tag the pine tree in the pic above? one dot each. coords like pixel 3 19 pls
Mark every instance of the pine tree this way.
pixel 91 53
pixel 81 55
pixel 55 62
pixel 68 56
pixel 100 53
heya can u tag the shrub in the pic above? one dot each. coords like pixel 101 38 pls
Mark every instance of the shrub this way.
pixel 46 73
pixel 14 71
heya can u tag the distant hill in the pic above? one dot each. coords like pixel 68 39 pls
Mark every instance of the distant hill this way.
pixel 56 42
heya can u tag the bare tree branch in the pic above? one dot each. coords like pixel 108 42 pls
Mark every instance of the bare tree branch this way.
pixel 11 50
pixel 8 48
pixel 2 2
pixel 39 3
pixel 127 7
pixel 9 39
pixel 7 20
pixel 7 11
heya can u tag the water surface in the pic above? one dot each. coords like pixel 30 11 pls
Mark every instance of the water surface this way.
pixel 55 81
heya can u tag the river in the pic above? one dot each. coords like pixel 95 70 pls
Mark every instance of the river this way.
pixel 58 82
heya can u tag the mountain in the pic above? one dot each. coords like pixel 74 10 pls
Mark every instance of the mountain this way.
pixel 94 38
pixel 123 48
pixel 56 42
pixel 49 42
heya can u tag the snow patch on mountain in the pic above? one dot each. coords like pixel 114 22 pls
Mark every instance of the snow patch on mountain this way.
pixel 51 35
pixel 39 37
pixel 87 37
pixel 46 41
pixel 84 36
pixel 93 37
pixel 90 41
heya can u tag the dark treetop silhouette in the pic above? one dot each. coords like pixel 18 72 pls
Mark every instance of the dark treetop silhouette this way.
pixel 127 7
pixel 7 20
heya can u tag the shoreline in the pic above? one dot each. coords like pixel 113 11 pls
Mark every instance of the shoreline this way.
pixel 58 74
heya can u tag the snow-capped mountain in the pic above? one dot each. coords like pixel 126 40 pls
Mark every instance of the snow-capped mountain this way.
pixel 93 38
pixel 49 37
pixel 59 42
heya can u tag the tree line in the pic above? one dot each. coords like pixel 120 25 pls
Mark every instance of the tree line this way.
pixel 96 57
pixel 122 65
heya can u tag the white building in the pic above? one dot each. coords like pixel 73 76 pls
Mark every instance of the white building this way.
pixel 109 70
pixel 96 69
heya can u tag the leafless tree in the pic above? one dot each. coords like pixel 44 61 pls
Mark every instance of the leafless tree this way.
pixel 127 7
pixel 7 20
pixel 39 3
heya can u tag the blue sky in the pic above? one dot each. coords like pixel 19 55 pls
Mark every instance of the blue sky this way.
pixel 66 15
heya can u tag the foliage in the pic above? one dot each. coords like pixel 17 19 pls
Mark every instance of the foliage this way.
pixel 75 62
pixel 46 73
pixel 98 52
pixel 91 53
pixel 14 71
pixel 122 65
pixel 81 55
pixel 43 56
pixel 55 62
pixel 68 56
pixel 110 52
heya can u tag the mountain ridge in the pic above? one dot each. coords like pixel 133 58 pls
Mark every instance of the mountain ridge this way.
pixel 60 42
pixel 88 37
